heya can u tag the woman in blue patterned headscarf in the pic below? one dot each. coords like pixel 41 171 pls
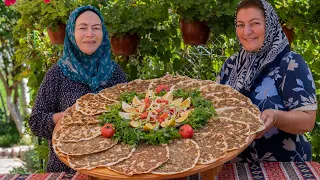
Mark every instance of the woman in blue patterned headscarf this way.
pixel 277 80
pixel 86 67
pixel 92 69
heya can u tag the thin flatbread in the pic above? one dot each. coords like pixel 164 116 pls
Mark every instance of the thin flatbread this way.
pixel 215 88
pixel 184 155
pixel 233 102
pixel 168 80
pixel 114 155
pixel 145 159
pixel 139 86
pixel 57 152
pixel 214 92
pixel 243 115
pixel 213 146
pixel 77 117
pixel 111 93
pixel 76 133
pixel 236 133
pixel 92 104
pixel 192 84
pixel 91 146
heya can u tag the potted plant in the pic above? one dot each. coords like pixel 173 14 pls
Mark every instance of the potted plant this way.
pixel 194 17
pixel 46 15
pixel 127 21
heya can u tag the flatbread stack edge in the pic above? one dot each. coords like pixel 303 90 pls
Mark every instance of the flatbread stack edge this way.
pixel 79 138
pixel 109 157
pixel 144 160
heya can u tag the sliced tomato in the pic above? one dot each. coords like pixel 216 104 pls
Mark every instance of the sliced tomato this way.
pixel 147 101
pixel 144 115
pixel 164 115
pixel 159 110
pixel 161 88
pixel 160 120
pixel 162 101
pixel 165 101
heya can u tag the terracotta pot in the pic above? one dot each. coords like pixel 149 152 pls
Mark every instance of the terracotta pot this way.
pixel 195 33
pixel 57 37
pixel 126 45
pixel 289 33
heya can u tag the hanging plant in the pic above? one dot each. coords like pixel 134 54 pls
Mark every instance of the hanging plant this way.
pixel 128 21
pixel 44 15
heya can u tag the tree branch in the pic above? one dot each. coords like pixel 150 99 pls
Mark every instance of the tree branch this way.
pixel 6 86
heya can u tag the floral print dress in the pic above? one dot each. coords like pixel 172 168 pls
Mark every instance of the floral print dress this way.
pixel 286 86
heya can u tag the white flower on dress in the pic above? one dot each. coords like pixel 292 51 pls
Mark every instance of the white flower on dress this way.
pixel 289 144
pixel 272 131
pixel 292 65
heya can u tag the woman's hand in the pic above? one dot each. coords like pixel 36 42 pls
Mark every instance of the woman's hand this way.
pixel 269 118
pixel 293 122
pixel 58 116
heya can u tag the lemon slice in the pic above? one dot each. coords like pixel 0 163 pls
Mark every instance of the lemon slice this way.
pixel 125 115
pixel 186 103
pixel 127 108
pixel 168 96
pixel 136 101
pixel 177 102
pixel 149 94
pixel 148 127
pixel 169 123
pixel 134 124
pixel 183 116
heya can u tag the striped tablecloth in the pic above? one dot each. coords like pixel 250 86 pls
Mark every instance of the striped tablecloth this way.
pixel 234 171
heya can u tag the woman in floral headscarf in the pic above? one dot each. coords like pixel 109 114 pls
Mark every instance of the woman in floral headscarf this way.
pixel 277 80
pixel 86 67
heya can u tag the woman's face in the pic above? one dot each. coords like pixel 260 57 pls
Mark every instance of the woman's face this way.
pixel 251 28
pixel 88 32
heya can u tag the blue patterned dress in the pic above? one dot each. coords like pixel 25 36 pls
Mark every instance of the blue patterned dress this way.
pixel 286 84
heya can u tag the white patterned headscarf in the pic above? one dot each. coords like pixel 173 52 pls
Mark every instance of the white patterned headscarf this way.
pixel 248 65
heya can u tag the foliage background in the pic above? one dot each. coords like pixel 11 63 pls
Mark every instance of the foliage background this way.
pixel 161 49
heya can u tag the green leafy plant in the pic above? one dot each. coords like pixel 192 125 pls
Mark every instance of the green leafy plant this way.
pixel 140 16
pixel 194 10
pixel 9 134
pixel 41 15
pixel 31 164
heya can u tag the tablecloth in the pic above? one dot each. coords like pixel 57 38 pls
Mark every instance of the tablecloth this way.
pixel 232 171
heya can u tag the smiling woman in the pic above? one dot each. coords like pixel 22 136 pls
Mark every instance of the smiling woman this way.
pixel 251 28
pixel 277 80
pixel 88 32
pixel 86 67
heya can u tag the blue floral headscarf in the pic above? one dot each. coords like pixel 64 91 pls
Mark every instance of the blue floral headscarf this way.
pixel 95 69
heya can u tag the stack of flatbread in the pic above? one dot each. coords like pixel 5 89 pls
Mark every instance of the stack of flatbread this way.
pixel 79 139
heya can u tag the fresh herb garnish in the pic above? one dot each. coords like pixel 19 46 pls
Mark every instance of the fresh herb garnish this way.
pixel 162 93
pixel 128 96
pixel 203 110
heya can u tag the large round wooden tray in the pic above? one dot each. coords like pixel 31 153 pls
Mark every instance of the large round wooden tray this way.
pixel 207 171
